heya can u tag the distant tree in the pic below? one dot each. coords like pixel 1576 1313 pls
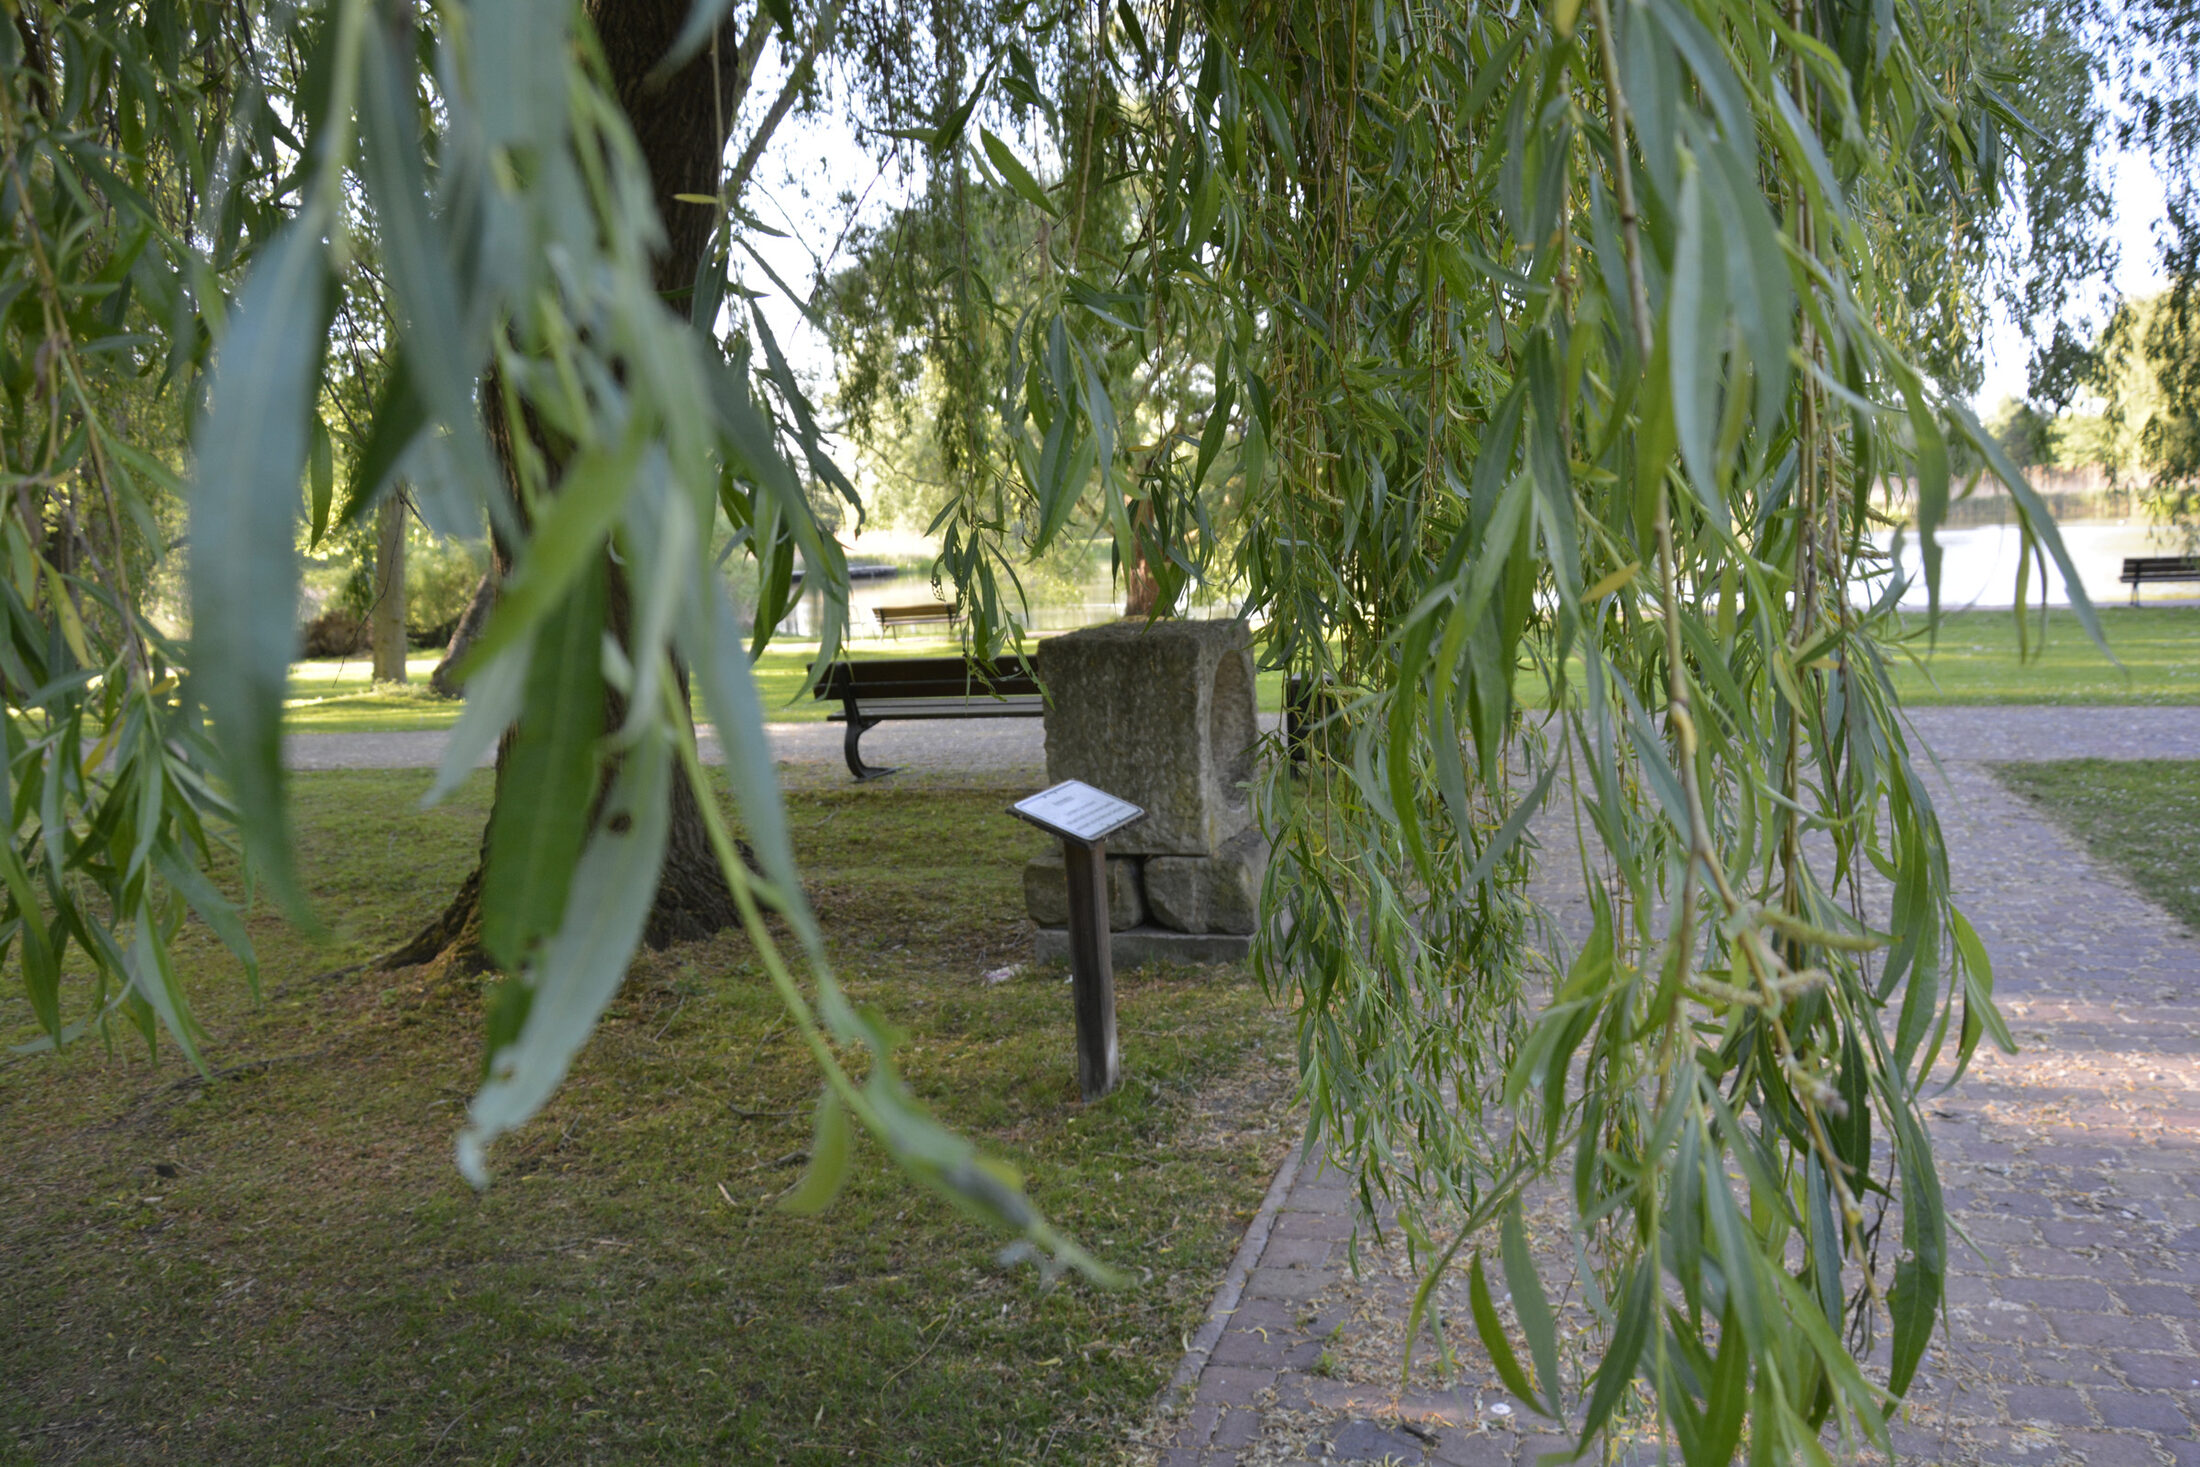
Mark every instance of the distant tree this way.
pixel 2025 434
pixel 2150 373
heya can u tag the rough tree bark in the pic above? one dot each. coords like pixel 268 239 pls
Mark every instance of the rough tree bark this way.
pixel 681 127
pixel 470 623
pixel 1140 590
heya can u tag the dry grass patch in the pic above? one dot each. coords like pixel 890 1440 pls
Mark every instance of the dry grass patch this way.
pixel 282 1265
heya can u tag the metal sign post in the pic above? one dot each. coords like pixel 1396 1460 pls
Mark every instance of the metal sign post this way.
pixel 1083 818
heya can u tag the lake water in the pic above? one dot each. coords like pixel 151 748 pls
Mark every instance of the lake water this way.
pixel 1978 568
pixel 1093 601
pixel 1979 564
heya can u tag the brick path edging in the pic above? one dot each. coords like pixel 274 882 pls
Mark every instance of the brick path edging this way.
pixel 1186 1376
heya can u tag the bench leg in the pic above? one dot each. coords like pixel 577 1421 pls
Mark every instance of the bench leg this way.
pixel 852 746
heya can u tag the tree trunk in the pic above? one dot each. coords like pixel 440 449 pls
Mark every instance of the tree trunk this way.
pixel 1140 590
pixel 470 623
pixel 386 622
pixel 677 123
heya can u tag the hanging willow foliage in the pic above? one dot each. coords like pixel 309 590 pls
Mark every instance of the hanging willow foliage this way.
pixel 1562 351
pixel 1551 357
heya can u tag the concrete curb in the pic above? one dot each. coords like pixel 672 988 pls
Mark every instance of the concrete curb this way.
pixel 1226 1298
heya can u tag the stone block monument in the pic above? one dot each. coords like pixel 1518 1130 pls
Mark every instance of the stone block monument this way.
pixel 1163 715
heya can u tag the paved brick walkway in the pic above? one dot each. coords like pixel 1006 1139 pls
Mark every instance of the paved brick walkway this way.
pixel 2073 1334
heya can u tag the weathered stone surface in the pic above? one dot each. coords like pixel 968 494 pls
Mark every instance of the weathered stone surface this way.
pixel 1046 891
pixel 1141 945
pixel 1218 893
pixel 1162 715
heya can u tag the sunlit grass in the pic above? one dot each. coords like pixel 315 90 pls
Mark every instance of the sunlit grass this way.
pixel 339 695
pixel 2139 815
pixel 1974 659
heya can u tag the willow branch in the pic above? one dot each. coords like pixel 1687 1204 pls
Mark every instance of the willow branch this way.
pixel 798 77
pixel 1638 289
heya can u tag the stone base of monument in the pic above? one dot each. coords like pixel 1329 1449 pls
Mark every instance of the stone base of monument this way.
pixel 1046 891
pixel 1136 946
pixel 1164 716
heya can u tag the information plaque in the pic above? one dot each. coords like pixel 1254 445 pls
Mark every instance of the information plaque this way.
pixel 1083 818
pixel 1076 811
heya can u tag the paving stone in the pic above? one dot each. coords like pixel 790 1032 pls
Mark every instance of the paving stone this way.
pixel 2163 1299
pixel 1474 1449
pixel 1296 1253
pixel 2057 1404
pixel 2099 1265
pixel 1299 1223
pixel 2160 1372
pixel 2131 1410
pixel 1241 1347
pixel 1238 1428
pixel 2078 1366
pixel 1285 1283
pixel 1198 1426
pixel 2112 1329
pixel 2056 1294
pixel 2068 1233
pixel 1989 1227
pixel 2012 1324
pixel 1270 1314
pixel 1234 1385
pixel 2101 1449
pixel 1368 1441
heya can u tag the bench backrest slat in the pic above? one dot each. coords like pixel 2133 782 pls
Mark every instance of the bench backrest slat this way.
pixel 2161 565
pixel 927 677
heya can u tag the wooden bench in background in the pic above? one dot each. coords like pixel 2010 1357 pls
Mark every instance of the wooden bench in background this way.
pixel 891 618
pixel 871 693
pixel 2147 570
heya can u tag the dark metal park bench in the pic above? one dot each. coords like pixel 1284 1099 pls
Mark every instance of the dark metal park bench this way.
pixel 2147 570
pixel 871 693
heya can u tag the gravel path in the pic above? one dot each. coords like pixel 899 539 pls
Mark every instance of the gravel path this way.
pixel 968 745
pixel 998 744
pixel 2073 1330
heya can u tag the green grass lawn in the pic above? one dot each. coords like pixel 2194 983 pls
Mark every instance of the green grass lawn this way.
pixel 2139 815
pixel 339 695
pixel 1975 660
pixel 328 696
pixel 283 1265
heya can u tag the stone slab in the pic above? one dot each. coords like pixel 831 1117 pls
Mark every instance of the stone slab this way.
pixel 1046 891
pixel 1140 945
pixel 1218 893
pixel 1163 715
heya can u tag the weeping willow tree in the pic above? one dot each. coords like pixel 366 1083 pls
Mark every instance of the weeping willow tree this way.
pixel 1552 355
pixel 1558 357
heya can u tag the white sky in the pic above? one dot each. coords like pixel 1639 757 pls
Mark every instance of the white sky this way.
pixel 2138 197
pixel 813 160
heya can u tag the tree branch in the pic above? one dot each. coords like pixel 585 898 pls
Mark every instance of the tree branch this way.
pixel 798 77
